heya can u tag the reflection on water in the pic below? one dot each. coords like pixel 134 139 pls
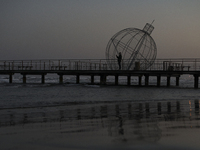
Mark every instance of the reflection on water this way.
pixel 123 121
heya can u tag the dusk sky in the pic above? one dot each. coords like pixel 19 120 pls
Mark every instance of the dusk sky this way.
pixel 81 29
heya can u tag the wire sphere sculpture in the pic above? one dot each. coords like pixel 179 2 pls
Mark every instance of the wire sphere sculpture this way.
pixel 137 48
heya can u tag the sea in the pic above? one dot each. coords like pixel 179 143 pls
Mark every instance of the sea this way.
pixel 82 116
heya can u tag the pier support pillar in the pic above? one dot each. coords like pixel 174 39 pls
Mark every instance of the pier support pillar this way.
pixel 116 79
pixel 43 79
pixel 77 79
pixel 10 78
pixel 128 80
pixel 139 80
pixel 177 81
pixel 24 78
pixel 158 80
pixel 92 79
pixel 103 79
pixel 146 79
pixel 60 78
pixel 168 80
pixel 196 81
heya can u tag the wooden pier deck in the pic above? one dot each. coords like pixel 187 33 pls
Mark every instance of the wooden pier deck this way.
pixel 167 68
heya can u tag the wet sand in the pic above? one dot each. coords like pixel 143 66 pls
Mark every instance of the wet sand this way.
pixel 114 125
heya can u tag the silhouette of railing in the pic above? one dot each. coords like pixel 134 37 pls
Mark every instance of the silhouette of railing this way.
pixel 98 64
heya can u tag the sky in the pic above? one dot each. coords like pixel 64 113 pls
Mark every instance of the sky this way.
pixel 81 29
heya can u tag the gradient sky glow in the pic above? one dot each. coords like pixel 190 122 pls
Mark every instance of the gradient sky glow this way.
pixel 81 29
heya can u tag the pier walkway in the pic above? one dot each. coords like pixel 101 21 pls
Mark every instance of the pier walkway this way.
pixel 98 67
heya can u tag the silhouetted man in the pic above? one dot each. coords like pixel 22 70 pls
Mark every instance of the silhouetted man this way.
pixel 119 59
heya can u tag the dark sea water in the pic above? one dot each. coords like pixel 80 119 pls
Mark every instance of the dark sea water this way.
pixel 82 116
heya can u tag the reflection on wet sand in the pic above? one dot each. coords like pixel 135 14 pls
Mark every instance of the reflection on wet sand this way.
pixel 124 121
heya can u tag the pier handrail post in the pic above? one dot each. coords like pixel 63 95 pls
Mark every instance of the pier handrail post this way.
pixel 182 65
pixel 4 65
pixel 13 65
pixel 35 65
pixel 122 64
pixel 44 65
pixel 22 64
pixel 69 65
pixel 40 64
pixel 49 65
pixel 79 65
pixel 100 65
pixel 164 67
pixel 90 66
pixel 58 64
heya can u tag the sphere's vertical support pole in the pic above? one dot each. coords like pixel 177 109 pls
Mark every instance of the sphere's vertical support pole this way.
pixel 146 79
pixel 168 80
pixel 92 79
pixel 116 79
pixel 196 81
pixel 129 80
pixel 158 80
pixel 137 49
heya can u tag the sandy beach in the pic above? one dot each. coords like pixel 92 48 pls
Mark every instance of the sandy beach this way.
pixel 113 125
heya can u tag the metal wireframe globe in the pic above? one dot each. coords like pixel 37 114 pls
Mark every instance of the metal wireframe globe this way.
pixel 137 48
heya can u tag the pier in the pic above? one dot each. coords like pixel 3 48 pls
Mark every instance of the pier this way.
pixel 162 68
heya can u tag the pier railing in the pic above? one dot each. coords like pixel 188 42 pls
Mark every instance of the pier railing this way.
pixel 98 64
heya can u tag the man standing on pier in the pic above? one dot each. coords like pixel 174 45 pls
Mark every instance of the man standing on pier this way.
pixel 119 59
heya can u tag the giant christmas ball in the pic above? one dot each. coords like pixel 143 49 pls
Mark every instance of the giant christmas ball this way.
pixel 137 47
